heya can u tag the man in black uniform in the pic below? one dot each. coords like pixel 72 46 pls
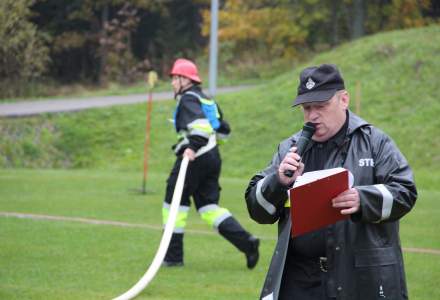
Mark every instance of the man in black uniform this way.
pixel 198 123
pixel 358 258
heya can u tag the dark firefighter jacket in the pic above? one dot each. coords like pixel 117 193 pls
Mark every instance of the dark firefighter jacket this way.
pixel 192 126
pixel 198 121
pixel 364 253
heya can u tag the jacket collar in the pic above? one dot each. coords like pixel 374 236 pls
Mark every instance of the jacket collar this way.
pixel 192 88
pixel 354 122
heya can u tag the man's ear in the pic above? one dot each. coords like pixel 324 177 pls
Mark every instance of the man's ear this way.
pixel 345 99
pixel 186 82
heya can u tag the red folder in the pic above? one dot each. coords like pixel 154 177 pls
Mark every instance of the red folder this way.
pixel 310 199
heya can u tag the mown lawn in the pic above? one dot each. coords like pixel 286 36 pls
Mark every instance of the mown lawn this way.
pixel 42 259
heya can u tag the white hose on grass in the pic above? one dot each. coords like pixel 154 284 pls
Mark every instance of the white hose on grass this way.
pixel 166 237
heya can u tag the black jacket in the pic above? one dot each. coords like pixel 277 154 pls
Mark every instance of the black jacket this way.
pixel 364 252
pixel 191 124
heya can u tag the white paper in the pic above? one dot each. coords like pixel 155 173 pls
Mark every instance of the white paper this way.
pixel 309 177
pixel 268 297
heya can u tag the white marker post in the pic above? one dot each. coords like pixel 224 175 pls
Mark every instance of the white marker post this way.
pixel 166 237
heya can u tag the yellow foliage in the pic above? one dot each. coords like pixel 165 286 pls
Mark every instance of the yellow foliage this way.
pixel 269 28
pixel 68 40
pixel 407 13
pixel 273 30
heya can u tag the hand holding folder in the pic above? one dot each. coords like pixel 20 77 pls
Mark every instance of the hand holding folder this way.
pixel 310 199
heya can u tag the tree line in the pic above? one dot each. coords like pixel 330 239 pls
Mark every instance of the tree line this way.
pixel 101 41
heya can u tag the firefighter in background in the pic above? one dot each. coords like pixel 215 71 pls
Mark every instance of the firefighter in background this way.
pixel 199 124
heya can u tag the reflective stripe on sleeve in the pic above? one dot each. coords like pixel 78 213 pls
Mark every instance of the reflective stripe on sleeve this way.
pixel 387 201
pixel 262 201
pixel 200 127
pixel 201 133
pixel 182 143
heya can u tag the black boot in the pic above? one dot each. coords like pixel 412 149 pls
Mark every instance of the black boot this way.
pixel 231 230
pixel 253 255
pixel 174 256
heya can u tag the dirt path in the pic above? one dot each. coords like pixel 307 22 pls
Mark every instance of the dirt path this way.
pixel 153 227
pixel 28 108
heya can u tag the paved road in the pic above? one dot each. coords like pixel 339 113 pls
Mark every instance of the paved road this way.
pixel 28 108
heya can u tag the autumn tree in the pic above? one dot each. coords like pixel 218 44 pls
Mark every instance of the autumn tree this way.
pixel 163 30
pixel 120 64
pixel 286 28
pixel 271 29
pixel 23 53
pixel 82 48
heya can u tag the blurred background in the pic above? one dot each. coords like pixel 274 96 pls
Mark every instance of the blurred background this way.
pixel 52 47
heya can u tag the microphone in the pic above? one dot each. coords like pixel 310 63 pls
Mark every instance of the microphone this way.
pixel 304 139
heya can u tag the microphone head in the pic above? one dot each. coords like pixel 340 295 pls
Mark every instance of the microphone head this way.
pixel 308 129
pixel 307 132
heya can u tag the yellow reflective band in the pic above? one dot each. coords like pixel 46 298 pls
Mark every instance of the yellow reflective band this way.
pixel 206 101
pixel 211 216
pixel 287 203
pixel 181 217
pixel 201 125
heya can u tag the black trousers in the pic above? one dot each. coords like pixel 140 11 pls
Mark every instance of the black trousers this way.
pixel 201 181
pixel 293 290
pixel 202 184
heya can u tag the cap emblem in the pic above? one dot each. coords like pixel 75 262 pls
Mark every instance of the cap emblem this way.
pixel 310 84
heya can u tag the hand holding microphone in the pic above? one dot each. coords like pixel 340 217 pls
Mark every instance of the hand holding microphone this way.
pixel 304 139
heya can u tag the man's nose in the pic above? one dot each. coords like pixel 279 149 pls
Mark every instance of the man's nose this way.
pixel 313 115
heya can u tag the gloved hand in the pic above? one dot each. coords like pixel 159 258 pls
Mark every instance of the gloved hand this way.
pixel 224 128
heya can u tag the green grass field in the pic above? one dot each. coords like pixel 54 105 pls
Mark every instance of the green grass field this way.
pixel 55 259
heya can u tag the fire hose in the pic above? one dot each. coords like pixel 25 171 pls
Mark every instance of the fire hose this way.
pixel 166 237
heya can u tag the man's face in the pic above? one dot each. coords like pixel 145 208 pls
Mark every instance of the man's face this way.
pixel 328 116
pixel 179 83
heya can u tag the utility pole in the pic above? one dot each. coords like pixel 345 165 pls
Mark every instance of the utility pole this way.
pixel 213 49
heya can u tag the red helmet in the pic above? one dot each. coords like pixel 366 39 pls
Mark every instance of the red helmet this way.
pixel 186 68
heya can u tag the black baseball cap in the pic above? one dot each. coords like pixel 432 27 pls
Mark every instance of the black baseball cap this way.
pixel 318 83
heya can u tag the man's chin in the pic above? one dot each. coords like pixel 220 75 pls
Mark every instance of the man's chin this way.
pixel 318 137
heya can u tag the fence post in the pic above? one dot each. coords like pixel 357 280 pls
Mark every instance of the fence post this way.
pixel 152 78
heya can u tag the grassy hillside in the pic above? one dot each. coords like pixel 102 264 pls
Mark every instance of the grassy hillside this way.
pixel 397 73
